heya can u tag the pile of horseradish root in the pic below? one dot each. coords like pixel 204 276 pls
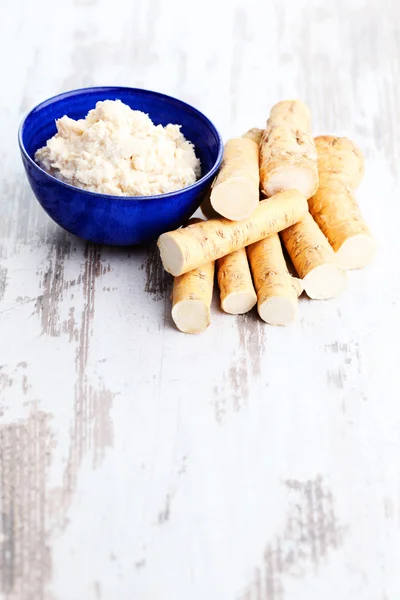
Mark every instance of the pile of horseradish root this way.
pixel 309 186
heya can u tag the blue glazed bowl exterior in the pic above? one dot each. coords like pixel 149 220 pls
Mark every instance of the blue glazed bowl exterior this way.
pixel 118 220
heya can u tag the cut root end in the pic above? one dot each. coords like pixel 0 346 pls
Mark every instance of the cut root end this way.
pixel 238 303
pixel 278 310
pixel 236 199
pixel 304 179
pixel 324 282
pixel 191 316
pixel 356 252
pixel 171 254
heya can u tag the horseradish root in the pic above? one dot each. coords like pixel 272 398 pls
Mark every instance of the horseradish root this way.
pixel 293 113
pixel 336 211
pixel 235 191
pixel 235 283
pixel 277 290
pixel 288 158
pixel 188 248
pixel 191 298
pixel 334 206
pixel 340 158
pixel 310 209
pixel 254 134
pixel 207 208
pixel 314 259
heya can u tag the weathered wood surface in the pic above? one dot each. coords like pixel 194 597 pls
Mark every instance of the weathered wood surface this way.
pixel 248 463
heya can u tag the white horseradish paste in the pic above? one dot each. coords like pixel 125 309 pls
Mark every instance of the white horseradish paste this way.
pixel 119 151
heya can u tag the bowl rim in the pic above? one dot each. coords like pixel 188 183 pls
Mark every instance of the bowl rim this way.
pixel 114 89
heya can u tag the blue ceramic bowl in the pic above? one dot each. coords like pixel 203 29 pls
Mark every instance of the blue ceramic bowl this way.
pixel 118 220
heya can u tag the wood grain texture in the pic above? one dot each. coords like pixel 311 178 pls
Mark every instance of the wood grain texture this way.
pixel 248 463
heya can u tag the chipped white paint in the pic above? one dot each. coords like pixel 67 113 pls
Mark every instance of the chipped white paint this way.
pixel 248 463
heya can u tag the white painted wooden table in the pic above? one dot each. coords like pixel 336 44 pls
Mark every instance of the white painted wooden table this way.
pixel 247 463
